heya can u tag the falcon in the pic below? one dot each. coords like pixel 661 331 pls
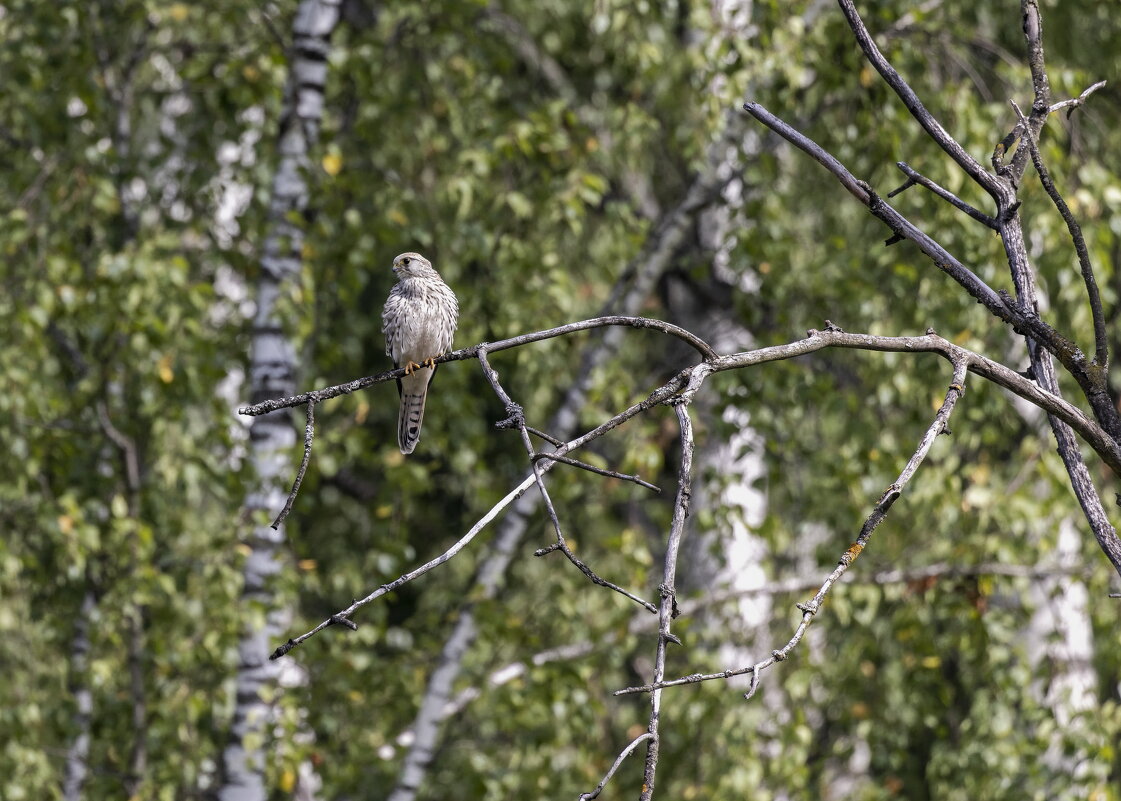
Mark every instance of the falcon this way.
pixel 418 321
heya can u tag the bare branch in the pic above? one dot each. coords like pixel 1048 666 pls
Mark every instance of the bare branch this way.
pixel 667 609
pixel 914 177
pixel 899 225
pixel 626 752
pixel 660 395
pixel 320 395
pixel 1024 314
pixel 1033 33
pixel 1023 317
pixel 1101 338
pixel 1005 377
pixel 1075 102
pixel 934 129
pixel 342 617
pixel 879 512
pixel 542 435
pixel 536 457
pixel 309 436
pixel 1041 103
pixel 687 381
pixel 561 544
pixel 1091 382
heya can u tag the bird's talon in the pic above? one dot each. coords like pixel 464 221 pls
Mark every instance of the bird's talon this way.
pixel 411 367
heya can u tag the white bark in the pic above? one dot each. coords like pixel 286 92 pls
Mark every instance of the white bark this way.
pixel 77 755
pixel 272 373
pixel 1060 635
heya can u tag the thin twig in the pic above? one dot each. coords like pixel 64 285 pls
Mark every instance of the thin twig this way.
pixel 309 436
pixel 667 609
pixel 626 752
pixel 934 129
pixel 899 224
pixel 915 177
pixel 879 512
pixel 342 617
pixel 660 395
pixel 593 469
pixel 517 417
pixel 542 435
pixel 1101 337
pixel 1075 102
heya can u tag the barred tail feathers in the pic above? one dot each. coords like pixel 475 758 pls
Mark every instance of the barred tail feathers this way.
pixel 414 391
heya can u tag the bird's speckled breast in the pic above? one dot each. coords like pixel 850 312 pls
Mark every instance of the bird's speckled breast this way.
pixel 425 320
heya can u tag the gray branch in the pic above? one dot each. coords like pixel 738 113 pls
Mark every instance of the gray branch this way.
pixel 658 396
pixel 933 128
pixel 688 381
pixel 1101 338
pixel 879 512
pixel 626 752
pixel 667 609
pixel 517 417
pixel 916 178
pixel 320 395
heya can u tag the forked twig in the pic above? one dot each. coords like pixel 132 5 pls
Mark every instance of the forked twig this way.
pixel 591 468
pixel 879 512
pixel 626 752
pixel 1101 337
pixel 659 395
pixel 916 178
pixel 517 418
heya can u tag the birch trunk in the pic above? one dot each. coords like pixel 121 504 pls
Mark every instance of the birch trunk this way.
pixel 272 371
pixel 78 752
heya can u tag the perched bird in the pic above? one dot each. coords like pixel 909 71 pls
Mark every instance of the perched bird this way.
pixel 418 321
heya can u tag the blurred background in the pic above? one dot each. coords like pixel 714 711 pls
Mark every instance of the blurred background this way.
pixel 187 186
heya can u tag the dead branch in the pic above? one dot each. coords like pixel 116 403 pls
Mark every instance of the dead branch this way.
pixel 879 512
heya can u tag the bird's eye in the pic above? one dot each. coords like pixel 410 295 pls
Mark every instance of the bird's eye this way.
pixel 405 261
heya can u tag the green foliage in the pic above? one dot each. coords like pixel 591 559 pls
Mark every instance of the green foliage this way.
pixel 126 267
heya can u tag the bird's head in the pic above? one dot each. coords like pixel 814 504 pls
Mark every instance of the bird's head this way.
pixel 409 265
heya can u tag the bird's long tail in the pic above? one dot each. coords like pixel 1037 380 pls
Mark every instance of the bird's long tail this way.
pixel 414 391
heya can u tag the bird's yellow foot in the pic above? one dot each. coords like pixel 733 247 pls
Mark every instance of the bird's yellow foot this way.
pixel 430 362
pixel 411 367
